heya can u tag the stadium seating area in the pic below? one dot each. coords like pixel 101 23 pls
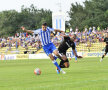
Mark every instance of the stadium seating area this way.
pixel 23 43
pixel 95 47
pixel 20 50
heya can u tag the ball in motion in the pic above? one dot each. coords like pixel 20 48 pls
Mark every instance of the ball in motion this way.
pixel 37 71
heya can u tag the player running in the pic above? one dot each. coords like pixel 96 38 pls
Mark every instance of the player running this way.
pixel 64 46
pixel 106 49
pixel 48 46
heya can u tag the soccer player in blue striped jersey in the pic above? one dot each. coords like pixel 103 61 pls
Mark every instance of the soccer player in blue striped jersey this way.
pixel 48 46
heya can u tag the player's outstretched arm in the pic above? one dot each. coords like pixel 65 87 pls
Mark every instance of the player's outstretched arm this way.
pixel 76 54
pixel 58 30
pixel 25 30
pixel 63 33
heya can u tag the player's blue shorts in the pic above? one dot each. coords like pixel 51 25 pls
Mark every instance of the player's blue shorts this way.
pixel 48 49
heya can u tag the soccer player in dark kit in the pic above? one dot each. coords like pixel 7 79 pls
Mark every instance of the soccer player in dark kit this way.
pixel 64 46
pixel 106 48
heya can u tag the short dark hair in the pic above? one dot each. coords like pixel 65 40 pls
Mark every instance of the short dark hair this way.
pixel 44 24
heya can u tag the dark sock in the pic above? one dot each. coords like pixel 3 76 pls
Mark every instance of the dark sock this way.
pixel 102 56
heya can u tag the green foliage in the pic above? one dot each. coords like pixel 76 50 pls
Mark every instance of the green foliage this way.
pixel 92 13
pixel 31 18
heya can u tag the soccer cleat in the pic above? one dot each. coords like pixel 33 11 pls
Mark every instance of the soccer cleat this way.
pixel 101 60
pixel 58 71
pixel 63 72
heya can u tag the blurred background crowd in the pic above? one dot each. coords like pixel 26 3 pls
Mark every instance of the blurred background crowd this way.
pixel 87 36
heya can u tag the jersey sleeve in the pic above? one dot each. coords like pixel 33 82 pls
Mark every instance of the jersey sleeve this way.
pixel 36 31
pixel 51 29
pixel 73 47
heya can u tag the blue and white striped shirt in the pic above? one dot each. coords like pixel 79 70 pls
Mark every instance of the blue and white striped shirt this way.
pixel 44 35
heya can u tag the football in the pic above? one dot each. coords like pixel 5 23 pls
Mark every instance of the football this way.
pixel 37 71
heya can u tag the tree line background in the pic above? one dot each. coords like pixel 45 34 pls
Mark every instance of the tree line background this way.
pixel 31 18
pixel 91 13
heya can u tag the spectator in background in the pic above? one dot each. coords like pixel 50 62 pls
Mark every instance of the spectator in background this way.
pixel 98 28
pixel 76 30
pixel 71 30
pixel 85 29
pixel 90 30
pixel 94 30
pixel 84 37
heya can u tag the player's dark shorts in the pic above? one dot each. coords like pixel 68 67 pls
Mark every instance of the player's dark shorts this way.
pixel 63 53
pixel 106 50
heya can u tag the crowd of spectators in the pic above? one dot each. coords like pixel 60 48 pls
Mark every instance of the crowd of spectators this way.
pixel 87 36
pixel 21 39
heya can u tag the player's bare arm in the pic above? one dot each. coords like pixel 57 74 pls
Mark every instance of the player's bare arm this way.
pixel 25 30
pixel 76 54
pixel 57 30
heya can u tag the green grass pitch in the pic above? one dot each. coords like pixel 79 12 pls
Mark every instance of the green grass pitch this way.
pixel 86 74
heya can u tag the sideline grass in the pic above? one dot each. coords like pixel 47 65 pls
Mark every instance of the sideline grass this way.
pixel 87 74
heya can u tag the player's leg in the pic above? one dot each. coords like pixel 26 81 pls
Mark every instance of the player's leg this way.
pixel 64 64
pixel 106 50
pixel 52 49
pixel 54 61
pixel 55 51
pixel 103 56
pixel 75 56
pixel 55 57
pixel 48 51
pixel 59 55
